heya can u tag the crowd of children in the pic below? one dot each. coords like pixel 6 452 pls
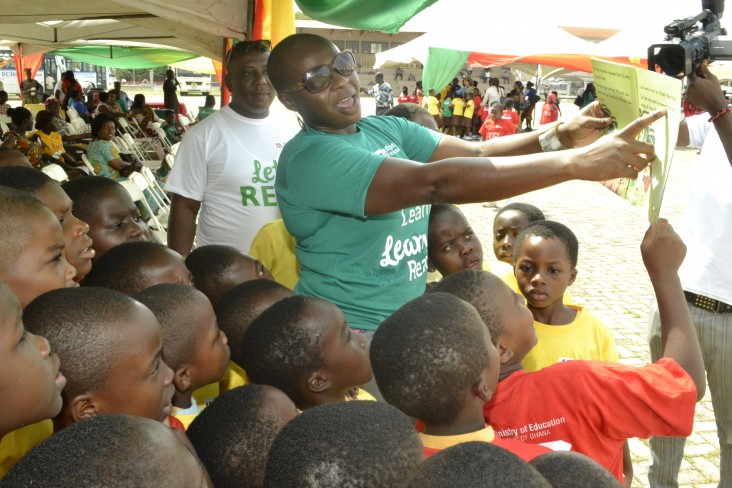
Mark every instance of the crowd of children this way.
pixel 125 361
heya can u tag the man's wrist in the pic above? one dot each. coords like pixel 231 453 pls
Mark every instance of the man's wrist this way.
pixel 550 141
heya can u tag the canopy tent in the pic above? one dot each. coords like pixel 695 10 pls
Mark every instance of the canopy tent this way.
pixel 382 15
pixel 126 57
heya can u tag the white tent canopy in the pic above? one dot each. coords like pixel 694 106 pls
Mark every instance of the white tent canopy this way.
pixel 196 26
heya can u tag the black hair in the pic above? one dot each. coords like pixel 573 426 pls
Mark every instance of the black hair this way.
pixel 138 101
pixel 549 229
pixel 427 355
pixel 439 208
pixel 279 65
pixel 281 346
pixel 508 103
pixel 19 114
pixel 569 469
pixel 241 305
pixel 85 193
pixel 103 97
pixel 476 287
pixel 44 117
pixel 208 265
pixel 172 304
pixel 116 451
pixel 98 122
pixel 125 267
pixel 16 208
pixel 83 324
pixel 345 445
pixel 532 213
pixel 407 111
pixel 3 92
pixel 22 178
pixel 245 47
pixel 498 106
pixel 472 464
pixel 210 99
pixel 233 436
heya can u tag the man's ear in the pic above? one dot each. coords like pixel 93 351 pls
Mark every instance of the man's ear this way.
pixel 481 390
pixel 318 382
pixel 505 353
pixel 572 276
pixel 82 407
pixel 227 81
pixel 288 102
pixel 182 378
pixel 431 267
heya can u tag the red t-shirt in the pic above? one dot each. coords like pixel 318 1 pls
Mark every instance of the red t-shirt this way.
pixel 484 112
pixel 524 450
pixel 594 406
pixel 407 99
pixel 491 129
pixel 549 113
pixel 511 115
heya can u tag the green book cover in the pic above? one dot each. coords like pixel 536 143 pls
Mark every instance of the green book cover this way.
pixel 626 93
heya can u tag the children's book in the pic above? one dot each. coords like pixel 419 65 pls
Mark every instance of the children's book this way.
pixel 626 93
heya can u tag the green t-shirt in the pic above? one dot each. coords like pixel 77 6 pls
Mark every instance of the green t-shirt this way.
pixel 447 108
pixel 367 265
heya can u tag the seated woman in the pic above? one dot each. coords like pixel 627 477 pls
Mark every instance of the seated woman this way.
pixel 107 107
pixel 207 109
pixel 143 114
pixel 116 100
pixel 23 121
pixel 60 120
pixel 52 147
pixel 103 155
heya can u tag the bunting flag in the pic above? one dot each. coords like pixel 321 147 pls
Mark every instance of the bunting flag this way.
pixel 377 15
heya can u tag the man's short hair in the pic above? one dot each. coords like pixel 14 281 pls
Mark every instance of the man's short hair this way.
pixel 22 178
pixel 279 65
pixel 281 346
pixel 172 305
pixel 83 325
pixel 115 451
pixel 476 287
pixel 16 209
pixel 233 436
pixel 532 213
pixel 85 193
pixel 124 267
pixel 427 356
pixel 573 470
pixel 472 464
pixel 241 305
pixel 549 229
pixel 345 445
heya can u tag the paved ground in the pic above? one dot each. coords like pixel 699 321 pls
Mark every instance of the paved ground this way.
pixel 613 283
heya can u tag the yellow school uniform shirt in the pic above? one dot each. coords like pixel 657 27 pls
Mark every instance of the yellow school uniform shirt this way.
pixel 16 444
pixel 206 394
pixel 234 377
pixel 458 106
pixel 586 337
pixel 432 104
pixel 275 249
pixel 469 109
pixel 186 416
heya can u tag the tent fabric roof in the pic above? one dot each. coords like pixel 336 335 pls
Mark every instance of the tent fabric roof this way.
pixel 196 26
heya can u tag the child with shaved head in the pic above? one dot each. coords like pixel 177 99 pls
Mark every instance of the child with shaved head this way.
pixel 110 348
pixel 193 345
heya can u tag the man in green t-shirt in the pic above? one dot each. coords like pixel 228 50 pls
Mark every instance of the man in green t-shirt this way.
pixel 356 196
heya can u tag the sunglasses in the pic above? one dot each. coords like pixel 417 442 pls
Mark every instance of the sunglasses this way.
pixel 243 47
pixel 320 77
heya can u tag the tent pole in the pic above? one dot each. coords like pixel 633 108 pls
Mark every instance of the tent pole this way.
pixel 225 94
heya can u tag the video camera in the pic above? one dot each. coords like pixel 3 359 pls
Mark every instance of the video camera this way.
pixel 691 40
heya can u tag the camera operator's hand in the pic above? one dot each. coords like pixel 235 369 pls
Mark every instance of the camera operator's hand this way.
pixel 618 154
pixel 585 128
pixel 704 90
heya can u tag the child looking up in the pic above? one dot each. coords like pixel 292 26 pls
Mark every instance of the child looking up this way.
pixel 433 359
pixel 452 245
pixel 545 265
pixel 110 348
pixel 194 347
pixel 304 347
pixel 135 266
pixel 111 214
pixel 115 451
pixel 78 250
pixel 344 444
pixel 30 374
pixel 234 434
pixel 235 312
pixel 216 269
pixel 568 402
pixel 32 258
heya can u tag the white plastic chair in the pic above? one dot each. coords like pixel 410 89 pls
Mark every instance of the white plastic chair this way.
pixel 174 149
pixel 136 186
pixel 164 139
pixel 157 192
pixel 72 113
pixel 185 122
pixel 56 172
pixel 170 160
pixel 88 164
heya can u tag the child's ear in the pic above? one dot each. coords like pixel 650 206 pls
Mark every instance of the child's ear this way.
pixel 288 102
pixel 317 382
pixel 82 407
pixel 481 390
pixel 505 353
pixel 572 276
pixel 182 378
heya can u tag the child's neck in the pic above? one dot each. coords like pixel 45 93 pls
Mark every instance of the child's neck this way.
pixel 469 420
pixel 555 314
pixel 508 369
pixel 183 399
pixel 329 396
